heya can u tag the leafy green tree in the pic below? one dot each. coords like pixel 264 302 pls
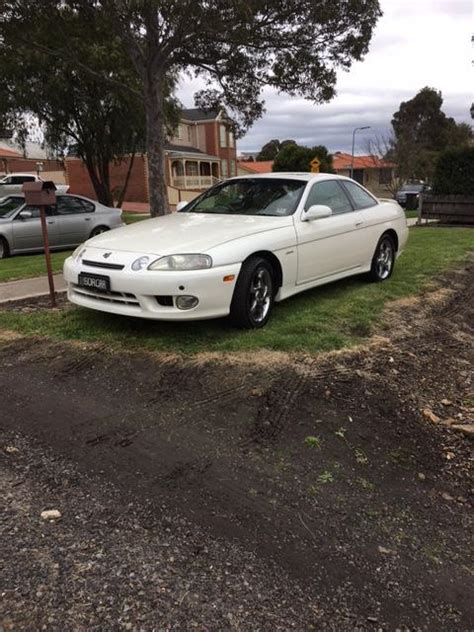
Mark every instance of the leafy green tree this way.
pixel 421 131
pixel 78 112
pixel 298 158
pixel 271 149
pixel 238 47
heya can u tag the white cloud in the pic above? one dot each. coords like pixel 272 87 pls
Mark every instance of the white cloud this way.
pixel 416 43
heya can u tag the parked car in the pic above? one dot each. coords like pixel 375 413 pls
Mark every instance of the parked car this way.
pixel 411 192
pixel 71 220
pixel 13 183
pixel 237 248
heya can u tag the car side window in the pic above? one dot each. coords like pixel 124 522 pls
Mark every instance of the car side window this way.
pixel 21 179
pixel 329 193
pixel 73 206
pixel 361 198
pixel 35 211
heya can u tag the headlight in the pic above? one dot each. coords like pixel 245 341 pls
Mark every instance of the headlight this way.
pixel 182 262
pixel 77 254
pixel 140 263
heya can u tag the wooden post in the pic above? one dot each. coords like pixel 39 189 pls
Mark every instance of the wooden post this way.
pixel 420 208
pixel 47 255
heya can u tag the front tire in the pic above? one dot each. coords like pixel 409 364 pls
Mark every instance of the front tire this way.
pixel 383 260
pixel 252 301
pixel 4 249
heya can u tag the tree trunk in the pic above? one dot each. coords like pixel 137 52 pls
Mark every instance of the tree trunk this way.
pixel 123 192
pixel 155 143
pixel 101 190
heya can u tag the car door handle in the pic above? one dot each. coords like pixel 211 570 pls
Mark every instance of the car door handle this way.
pixel 50 222
pixel 87 219
pixel 359 223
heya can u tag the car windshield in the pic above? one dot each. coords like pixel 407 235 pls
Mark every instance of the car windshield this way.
pixel 9 205
pixel 250 196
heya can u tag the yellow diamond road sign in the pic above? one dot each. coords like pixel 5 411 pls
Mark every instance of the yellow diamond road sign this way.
pixel 315 164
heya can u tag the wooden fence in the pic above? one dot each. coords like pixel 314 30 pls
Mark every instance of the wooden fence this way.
pixel 451 209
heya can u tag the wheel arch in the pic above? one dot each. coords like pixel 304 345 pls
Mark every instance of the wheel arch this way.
pixel 274 262
pixel 7 243
pixel 99 226
pixel 393 234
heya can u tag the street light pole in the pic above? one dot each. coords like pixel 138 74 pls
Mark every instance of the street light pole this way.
pixel 353 143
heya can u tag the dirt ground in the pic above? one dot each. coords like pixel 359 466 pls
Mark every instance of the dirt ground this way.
pixel 263 492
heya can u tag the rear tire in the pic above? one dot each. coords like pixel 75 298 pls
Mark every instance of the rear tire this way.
pixel 383 260
pixel 98 230
pixel 252 301
pixel 4 248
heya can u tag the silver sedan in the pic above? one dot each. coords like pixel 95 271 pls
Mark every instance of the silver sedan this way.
pixel 72 220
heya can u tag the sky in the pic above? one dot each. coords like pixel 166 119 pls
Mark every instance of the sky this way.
pixel 416 43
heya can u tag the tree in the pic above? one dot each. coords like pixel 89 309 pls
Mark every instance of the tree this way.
pixel 421 132
pixel 237 47
pixel 298 158
pixel 271 149
pixel 77 111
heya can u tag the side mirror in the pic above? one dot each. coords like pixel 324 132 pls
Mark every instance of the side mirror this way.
pixel 181 205
pixel 317 211
pixel 25 214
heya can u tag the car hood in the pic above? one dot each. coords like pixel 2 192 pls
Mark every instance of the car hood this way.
pixel 184 232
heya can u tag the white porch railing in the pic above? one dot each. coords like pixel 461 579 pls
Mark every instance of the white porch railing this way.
pixel 194 182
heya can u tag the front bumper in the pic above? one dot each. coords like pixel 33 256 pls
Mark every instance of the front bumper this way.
pixel 135 293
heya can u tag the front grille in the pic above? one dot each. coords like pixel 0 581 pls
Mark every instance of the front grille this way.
pixel 122 298
pixel 102 264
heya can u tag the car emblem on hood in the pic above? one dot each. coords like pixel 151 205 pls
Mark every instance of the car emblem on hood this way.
pixel 106 255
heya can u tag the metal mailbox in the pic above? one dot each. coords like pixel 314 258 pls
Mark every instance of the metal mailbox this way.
pixel 40 193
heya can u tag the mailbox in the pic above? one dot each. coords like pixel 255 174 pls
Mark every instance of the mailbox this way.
pixel 40 193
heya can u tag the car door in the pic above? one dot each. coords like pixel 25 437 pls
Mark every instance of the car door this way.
pixel 74 217
pixel 27 233
pixel 374 215
pixel 330 245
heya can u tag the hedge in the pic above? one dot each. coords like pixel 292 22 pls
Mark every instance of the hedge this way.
pixel 454 172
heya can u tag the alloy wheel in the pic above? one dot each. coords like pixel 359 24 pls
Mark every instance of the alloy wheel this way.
pixel 260 293
pixel 384 262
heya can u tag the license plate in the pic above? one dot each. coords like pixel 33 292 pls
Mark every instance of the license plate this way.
pixel 96 282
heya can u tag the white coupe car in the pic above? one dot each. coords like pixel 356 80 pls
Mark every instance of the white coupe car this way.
pixel 237 248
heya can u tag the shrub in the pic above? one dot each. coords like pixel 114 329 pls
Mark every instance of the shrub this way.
pixel 454 172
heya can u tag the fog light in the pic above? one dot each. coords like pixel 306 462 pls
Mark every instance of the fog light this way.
pixel 186 302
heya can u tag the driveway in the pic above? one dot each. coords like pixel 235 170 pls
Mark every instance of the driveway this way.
pixel 262 493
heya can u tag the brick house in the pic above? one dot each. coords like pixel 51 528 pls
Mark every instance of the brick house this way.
pixel 201 152
pixel 372 172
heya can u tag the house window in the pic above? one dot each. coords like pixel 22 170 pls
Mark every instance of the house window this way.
pixel 385 175
pixel 179 132
pixel 190 136
pixel 224 171
pixel 223 135
pixel 232 168
pixel 231 139
pixel 192 168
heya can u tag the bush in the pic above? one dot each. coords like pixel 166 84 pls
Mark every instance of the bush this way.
pixel 454 172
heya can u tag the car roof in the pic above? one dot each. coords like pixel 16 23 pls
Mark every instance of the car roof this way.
pixel 293 175
pixel 20 173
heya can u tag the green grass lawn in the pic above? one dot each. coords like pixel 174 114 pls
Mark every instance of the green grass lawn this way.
pixel 131 218
pixel 330 317
pixel 27 266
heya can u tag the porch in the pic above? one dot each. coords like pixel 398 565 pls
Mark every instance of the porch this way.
pixel 191 173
